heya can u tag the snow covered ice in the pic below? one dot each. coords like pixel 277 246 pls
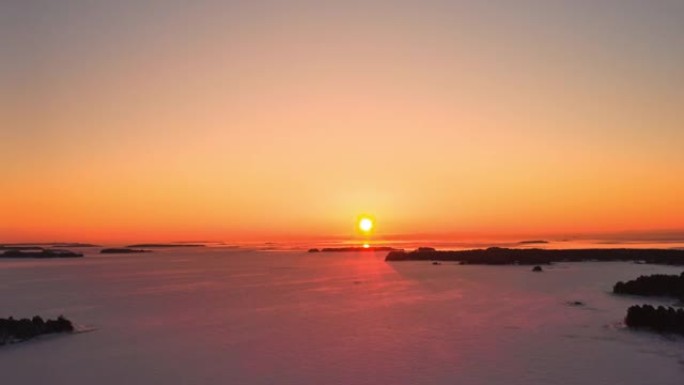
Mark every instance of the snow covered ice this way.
pixel 223 316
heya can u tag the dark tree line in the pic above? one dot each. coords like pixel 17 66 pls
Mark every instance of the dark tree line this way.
pixel 653 285
pixel 13 330
pixel 661 319
pixel 506 256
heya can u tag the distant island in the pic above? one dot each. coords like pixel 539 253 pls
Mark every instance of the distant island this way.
pixel 163 245
pixel 12 330
pixel 19 247
pixel 73 244
pixel 40 253
pixel 507 256
pixel 123 250
pixel 42 245
pixel 352 248
pixel 533 242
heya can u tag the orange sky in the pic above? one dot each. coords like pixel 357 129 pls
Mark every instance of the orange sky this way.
pixel 286 120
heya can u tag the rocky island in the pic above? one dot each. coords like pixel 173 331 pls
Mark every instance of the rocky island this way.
pixel 661 319
pixel 659 285
pixel 12 330
pixel 508 256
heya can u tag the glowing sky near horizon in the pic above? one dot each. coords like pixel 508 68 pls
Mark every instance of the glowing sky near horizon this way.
pixel 277 120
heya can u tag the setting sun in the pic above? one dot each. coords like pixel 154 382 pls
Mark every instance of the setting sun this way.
pixel 365 224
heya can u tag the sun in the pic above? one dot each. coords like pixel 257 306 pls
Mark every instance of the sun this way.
pixel 365 224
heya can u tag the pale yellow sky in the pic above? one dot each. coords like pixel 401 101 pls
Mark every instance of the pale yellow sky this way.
pixel 287 119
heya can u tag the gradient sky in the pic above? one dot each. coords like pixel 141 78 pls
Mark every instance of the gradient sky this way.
pixel 276 120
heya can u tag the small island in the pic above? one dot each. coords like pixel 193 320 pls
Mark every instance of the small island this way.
pixel 41 253
pixel 533 242
pixel 660 285
pixel 535 256
pixel 13 330
pixel 123 250
pixel 661 319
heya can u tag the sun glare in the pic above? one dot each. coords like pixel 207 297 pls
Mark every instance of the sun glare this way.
pixel 365 225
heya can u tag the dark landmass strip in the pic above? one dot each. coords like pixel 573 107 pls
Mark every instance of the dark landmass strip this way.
pixel 661 319
pixel 12 330
pixel 506 256
pixel 123 250
pixel 45 253
pixel 42 245
pixel 660 285
pixel 533 242
pixel 352 248
pixel 76 244
pixel 20 248
pixel 162 245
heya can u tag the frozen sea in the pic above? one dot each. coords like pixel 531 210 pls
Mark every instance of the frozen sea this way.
pixel 224 316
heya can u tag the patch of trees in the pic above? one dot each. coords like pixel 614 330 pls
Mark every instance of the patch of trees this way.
pixel 13 330
pixel 653 285
pixel 661 319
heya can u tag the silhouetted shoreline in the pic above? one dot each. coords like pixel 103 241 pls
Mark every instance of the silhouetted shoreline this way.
pixel 507 256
